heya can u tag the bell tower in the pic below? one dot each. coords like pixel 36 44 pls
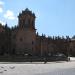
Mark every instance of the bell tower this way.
pixel 26 19
pixel 26 33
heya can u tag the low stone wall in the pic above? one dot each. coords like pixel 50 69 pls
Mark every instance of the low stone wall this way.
pixel 30 59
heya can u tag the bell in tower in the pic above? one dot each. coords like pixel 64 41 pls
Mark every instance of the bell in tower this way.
pixel 27 19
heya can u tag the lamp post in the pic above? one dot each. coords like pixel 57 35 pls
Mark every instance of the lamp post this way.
pixel 68 50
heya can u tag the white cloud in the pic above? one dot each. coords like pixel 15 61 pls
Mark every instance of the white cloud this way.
pixel 3 23
pixel 1 6
pixel 1 3
pixel 9 15
pixel 1 10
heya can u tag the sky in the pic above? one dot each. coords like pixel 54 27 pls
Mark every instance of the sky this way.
pixel 53 17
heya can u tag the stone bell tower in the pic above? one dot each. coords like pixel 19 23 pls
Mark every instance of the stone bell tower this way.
pixel 27 19
pixel 26 33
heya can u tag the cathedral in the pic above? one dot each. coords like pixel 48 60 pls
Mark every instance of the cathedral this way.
pixel 25 41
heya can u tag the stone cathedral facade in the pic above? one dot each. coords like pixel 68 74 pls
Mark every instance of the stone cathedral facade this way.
pixel 25 40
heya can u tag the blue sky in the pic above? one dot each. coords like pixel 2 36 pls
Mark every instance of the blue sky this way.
pixel 53 17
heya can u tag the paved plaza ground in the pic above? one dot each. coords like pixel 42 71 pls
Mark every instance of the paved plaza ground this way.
pixel 50 68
